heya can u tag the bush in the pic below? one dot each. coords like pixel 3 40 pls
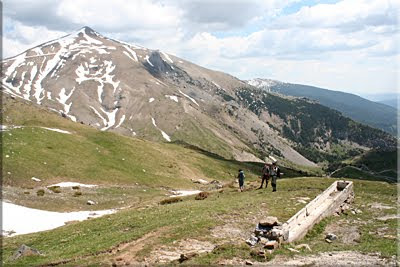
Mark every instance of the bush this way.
pixel 170 200
pixel 202 195
pixel 26 192
pixel 77 193
pixel 40 192
pixel 75 187
pixel 55 189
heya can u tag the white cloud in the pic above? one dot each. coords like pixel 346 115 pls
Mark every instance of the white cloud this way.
pixel 349 15
pixel 348 45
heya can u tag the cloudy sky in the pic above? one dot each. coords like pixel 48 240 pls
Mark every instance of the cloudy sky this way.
pixel 348 45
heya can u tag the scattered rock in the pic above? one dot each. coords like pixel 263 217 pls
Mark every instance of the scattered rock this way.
pixel 200 181
pixel 248 262
pixel 303 246
pixel 202 195
pixel 188 256
pixel 252 241
pixel 263 240
pixel 331 236
pixel 270 221
pixel 24 250
pixel 36 179
pixel 271 244
pixel 328 241
pixel 91 202
pixel 293 250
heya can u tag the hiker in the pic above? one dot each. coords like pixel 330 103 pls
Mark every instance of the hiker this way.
pixel 241 180
pixel 275 173
pixel 265 175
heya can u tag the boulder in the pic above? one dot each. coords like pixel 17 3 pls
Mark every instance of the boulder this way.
pixel 270 221
pixel 24 250
pixel 331 237
pixel 91 202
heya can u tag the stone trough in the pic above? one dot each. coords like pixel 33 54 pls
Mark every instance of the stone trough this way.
pixel 333 200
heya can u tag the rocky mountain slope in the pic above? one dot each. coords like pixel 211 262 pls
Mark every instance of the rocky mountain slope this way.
pixel 129 89
pixel 375 114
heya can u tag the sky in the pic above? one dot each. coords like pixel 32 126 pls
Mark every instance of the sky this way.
pixel 348 45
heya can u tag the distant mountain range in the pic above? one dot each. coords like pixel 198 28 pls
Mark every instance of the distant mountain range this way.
pixel 149 94
pixel 390 102
pixel 378 115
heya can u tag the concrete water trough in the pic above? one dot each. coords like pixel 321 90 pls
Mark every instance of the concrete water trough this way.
pixel 333 200
pixel 325 204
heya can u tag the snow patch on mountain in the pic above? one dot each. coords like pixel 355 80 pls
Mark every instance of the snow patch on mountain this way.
pixel 190 98
pixel 172 97
pixel 167 57
pixel 263 83
pixel 121 121
pixel 148 61
pixel 83 73
pixel 164 135
pixel 131 52
pixel 56 130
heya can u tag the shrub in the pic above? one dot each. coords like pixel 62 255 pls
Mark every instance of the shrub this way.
pixel 170 200
pixel 40 192
pixel 75 187
pixel 77 193
pixel 202 195
pixel 26 192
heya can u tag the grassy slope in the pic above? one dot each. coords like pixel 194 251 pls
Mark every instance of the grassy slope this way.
pixel 87 242
pixel 92 156
pixel 96 157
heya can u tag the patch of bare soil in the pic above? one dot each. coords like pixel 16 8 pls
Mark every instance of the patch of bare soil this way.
pixel 165 254
pixel 126 254
pixel 339 258
pixel 347 234
pixel 230 232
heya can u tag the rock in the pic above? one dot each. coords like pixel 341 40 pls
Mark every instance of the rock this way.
pixel 91 202
pixel 271 245
pixel 36 179
pixel 248 262
pixel 24 250
pixel 303 246
pixel 263 240
pixel 293 250
pixel 328 241
pixel 200 181
pixel 252 241
pixel 202 195
pixel 275 234
pixel 188 256
pixel 331 236
pixel 269 221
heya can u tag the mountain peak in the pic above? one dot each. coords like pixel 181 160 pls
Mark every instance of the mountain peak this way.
pixel 88 30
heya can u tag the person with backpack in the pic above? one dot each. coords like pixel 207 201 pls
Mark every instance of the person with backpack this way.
pixel 275 173
pixel 241 177
pixel 265 175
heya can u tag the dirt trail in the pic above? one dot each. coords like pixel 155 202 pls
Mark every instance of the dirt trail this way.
pixel 126 254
